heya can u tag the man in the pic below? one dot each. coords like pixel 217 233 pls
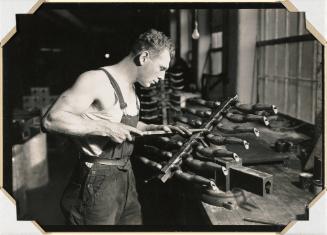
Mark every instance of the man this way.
pixel 101 112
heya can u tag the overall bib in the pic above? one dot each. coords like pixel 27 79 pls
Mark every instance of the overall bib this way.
pixel 105 192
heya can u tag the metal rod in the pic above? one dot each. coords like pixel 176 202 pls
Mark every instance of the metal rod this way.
pixel 161 132
pixel 270 77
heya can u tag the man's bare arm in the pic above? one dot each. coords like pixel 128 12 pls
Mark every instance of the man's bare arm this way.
pixel 65 115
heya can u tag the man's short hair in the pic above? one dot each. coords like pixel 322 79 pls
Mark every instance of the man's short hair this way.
pixel 153 41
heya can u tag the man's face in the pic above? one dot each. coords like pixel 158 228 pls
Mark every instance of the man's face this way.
pixel 154 68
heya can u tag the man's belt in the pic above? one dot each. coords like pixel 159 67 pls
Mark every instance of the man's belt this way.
pixel 104 161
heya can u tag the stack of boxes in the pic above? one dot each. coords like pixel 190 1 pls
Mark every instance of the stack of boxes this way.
pixel 40 97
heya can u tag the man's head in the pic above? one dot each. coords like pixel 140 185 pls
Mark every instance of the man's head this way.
pixel 152 53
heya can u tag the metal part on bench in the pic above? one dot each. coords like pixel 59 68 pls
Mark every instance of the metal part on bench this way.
pixel 254 181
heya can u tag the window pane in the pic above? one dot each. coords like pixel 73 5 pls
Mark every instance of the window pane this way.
pixel 281 59
pixel 280 92
pixel 270 60
pixel 216 62
pixel 261 90
pixel 293 59
pixel 281 25
pixel 307 59
pixel 291 97
pixel 293 23
pixel 261 62
pixel 262 25
pixel 270 24
pixel 305 104
pixel 303 29
pixel 270 90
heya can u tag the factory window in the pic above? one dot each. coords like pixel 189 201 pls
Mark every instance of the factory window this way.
pixel 289 64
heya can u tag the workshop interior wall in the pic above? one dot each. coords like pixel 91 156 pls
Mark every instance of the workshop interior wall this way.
pixel 241 37
pixel 289 72
pixel 247 33
pixel 204 42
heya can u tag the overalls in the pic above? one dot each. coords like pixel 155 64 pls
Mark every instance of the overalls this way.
pixel 105 193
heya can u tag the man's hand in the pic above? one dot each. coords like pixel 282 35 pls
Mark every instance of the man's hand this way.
pixel 119 132
pixel 170 128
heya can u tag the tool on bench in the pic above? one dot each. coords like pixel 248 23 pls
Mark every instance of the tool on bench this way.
pixel 220 140
pixel 154 151
pixel 168 170
pixel 216 153
pixel 195 179
pixel 188 121
pixel 238 129
pixel 170 132
pixel 252 108
pixel 207 103
pixel 200 113
pixel 234 117
pixel 150 163
pixel 166 143
pixel 199 165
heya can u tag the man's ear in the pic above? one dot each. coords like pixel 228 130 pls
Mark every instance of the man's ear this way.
pixel 142 58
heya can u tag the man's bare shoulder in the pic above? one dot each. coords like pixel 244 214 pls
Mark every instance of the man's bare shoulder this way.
pixel 92 76
pixel 93 79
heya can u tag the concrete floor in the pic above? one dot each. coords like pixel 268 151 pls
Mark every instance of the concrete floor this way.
pixel 43 204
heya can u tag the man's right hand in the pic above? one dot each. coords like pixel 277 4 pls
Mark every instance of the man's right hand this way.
pixel 119 132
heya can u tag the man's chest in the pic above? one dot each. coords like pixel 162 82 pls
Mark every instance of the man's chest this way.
pixel 110 101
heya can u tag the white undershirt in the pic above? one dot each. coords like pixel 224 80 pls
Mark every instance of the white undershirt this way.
pixel 93 145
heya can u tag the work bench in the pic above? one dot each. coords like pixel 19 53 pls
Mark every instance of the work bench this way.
pixel 287 201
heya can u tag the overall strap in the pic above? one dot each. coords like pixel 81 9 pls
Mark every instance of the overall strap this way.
pixel 137 101
pixel 114 84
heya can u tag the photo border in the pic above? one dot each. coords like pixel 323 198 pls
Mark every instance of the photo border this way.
pixel 288 4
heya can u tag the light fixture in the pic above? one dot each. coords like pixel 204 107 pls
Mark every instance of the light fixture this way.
pixel 195 34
